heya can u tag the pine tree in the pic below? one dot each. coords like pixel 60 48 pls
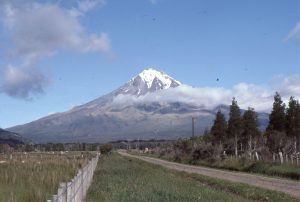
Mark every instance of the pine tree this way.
pixel 276 135
pixel 291 117
pixel 277 116
pixel 250 128
pixel 291 114
pixel 234 123
pixel 218 130
pixel 297 123
pixel 206 135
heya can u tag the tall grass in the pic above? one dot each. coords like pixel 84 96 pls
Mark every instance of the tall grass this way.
pixel 36 179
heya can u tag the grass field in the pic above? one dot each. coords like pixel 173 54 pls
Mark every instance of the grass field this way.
pixel 35 177
pixel 123 179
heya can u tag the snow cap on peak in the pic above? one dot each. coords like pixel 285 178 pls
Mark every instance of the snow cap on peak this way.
pixel 148 81
pixel 150 74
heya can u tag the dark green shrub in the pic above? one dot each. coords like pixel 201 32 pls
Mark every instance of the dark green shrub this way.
pixel 106 148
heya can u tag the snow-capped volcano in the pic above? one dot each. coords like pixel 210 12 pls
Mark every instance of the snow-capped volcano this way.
pixel 102 120
pixel 149 80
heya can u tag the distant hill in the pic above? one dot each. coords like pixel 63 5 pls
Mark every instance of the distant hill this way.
pixel 10 138
pixel 104 120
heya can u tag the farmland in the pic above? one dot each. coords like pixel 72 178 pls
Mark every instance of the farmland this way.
pixel 36 176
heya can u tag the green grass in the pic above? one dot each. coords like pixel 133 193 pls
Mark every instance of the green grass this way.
pixel 35 179
pixel 269 169
pixel 286 171
pixel 122 179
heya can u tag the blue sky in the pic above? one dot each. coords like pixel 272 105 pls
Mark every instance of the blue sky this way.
pixel 96 46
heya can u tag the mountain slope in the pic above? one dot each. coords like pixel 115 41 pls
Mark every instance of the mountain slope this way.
pixel 10 138
pixel 103 120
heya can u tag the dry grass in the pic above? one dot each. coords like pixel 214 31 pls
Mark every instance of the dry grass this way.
pixel 36 176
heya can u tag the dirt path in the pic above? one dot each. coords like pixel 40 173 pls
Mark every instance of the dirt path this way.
pixel 282 185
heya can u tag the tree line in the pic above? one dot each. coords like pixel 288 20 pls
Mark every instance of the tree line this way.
pixel 241 134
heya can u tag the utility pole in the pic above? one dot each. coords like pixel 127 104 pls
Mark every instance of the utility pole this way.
pixel 193 127
pixel 128 144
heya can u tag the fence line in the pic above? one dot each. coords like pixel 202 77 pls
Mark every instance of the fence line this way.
pixel 42 156
pixel 76 189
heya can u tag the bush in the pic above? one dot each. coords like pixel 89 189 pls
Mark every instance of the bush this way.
pixel 106 148
pixel 204 151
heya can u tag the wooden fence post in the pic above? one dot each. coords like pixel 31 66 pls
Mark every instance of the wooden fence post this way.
pixel 81 184
pixel 69 192
pixel 54 198
pixel 281 157
pixel 76 189
pixel 77 196
pixel 62 192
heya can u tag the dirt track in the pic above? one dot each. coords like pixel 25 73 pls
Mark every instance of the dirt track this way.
pixel 282 185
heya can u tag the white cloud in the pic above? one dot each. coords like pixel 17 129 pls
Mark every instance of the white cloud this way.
pixel 294 34
pixel 98 43
pixel 22 82
pixel 35 30
pixel 250 95
pixel 85 6
pixel 247 95
pixel 41 29
pixel 289 86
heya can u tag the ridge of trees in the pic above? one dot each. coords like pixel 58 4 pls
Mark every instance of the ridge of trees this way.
pixel 240 134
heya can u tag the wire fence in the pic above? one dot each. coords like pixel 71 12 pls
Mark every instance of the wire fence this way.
pixel 36 157
pixel 76 189
pixel 287 158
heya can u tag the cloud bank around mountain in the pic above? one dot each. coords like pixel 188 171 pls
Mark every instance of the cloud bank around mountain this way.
pixel 248 95
pixel 33 31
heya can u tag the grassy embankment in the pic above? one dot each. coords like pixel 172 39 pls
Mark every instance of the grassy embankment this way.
pixel 271 169
pixel 122 179
pixel 36 177
pixel 290 171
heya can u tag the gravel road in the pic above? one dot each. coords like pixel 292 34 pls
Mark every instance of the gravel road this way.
pixel 288 186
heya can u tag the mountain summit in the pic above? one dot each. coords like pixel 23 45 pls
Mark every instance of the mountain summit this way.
pixel 149 80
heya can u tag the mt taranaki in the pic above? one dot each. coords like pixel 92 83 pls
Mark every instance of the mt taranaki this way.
pixel 125 113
